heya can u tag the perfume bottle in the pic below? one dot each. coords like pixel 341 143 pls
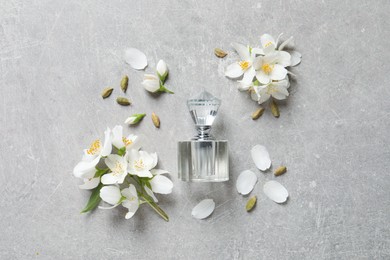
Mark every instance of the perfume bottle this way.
pixel 203 158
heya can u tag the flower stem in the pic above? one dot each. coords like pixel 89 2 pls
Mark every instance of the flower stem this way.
pixel 164 89
pixel 156 208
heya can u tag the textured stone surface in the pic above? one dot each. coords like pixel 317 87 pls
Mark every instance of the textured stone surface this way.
pixel 333 133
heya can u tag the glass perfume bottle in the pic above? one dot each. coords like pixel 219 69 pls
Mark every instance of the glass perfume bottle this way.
pixel 203 159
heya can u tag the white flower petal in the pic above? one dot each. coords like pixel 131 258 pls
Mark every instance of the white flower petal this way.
pixel 295 58
pixel 278 72
pixel 261 157
pixel 275 191
pixel 262 77
pixel 249 74
pixel 117 136
pixel 162 68
pixel 144 173
pixel 287 43
pixel 130 192
pixel 90 183
pixel 234 71
pixel 203 209
pixel 246 182
pixel 161 184
pixel 263 98
pixel 279 92
pixel 110 194
pixel 284 58
pixel 132 206
pixel 150 193
pixel 86 169
pixel 107 146
pixel 268 43
pixel 242 50
pixel 258 51
pixel 136 58
pixel 136 142
pixel 255 96
pixel 158 171
pixel 242 86
pixel 151 83
pixel 112 160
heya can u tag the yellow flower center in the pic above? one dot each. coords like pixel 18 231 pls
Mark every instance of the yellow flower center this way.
pixel 94 148
pixel 139 165
pixel 267 68
pixel 118 169
pixel 126 141
pixel 244 64
pixel 268 44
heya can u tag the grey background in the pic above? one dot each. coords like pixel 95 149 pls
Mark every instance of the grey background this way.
pixel 333 133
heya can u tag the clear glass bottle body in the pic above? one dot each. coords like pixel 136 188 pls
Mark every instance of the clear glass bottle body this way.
pixel 203 160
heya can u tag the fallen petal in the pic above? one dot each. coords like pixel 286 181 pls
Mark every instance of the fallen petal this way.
pixel 261 157
pixel 203 209
pixel 246 182
pixel 275 191
pixel 136 58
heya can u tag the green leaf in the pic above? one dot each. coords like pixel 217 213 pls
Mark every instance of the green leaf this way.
pixel 94 200
pixel 100 172
pixel 122 151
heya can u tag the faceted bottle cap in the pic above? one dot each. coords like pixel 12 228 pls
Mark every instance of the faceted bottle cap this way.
pixel 203 109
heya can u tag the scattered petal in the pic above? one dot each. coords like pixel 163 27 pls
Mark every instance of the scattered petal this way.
pixel 261 157
pixel 136 58
pixel 275 191
pixel 246 182
pixel 203 209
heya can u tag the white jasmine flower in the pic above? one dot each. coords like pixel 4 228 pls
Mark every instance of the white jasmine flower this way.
pixel 141 163
pixel 243 67
pixel 131 201
pixel 151 83
pixel 162 70
pixel 114 196
pixel 270 45
pixel 119 141
pixel 134 119
pixel 92 155
pixel 275 89
pixel 136 58
pixel 268 67
pixel 118 166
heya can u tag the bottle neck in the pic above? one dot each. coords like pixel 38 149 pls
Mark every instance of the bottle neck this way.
pixel 203 133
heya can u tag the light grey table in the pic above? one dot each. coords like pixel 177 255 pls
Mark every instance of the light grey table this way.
pixel 333 133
